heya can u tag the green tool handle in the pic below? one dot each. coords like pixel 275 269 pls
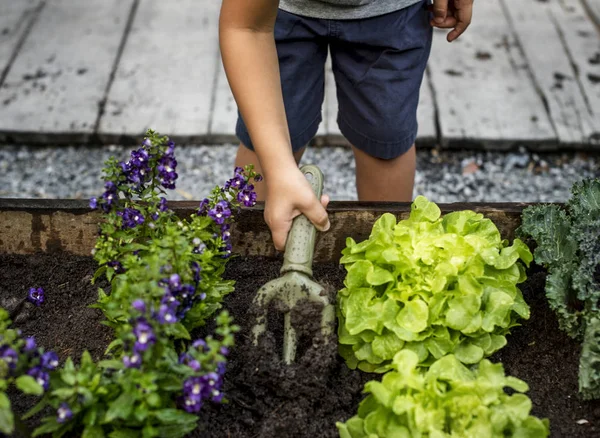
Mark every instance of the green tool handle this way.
pixel 300 245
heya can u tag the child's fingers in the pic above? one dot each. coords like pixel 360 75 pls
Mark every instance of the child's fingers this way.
pixel 440 10
pixel 463 18
pixel 448 23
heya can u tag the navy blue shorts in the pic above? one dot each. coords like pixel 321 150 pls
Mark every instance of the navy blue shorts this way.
pixel 378 64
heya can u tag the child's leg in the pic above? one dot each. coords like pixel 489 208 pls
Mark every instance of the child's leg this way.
pixel 379 64
pixel 385 180
pixel 246 156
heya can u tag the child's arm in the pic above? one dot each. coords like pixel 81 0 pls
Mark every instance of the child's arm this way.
pixel 250 59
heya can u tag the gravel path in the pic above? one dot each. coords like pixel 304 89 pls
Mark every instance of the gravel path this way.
pixel 442 176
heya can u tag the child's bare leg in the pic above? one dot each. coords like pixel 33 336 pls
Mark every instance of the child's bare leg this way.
pixel 246 156
pixel 385 180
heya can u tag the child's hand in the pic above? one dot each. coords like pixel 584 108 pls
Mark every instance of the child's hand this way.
pixel 289 194
pixel 452 14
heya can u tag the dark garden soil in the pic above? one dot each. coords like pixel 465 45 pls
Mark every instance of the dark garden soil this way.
pixel 266 398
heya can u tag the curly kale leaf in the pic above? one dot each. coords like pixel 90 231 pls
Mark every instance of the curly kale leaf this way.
pixel 550 227
pixel 589 363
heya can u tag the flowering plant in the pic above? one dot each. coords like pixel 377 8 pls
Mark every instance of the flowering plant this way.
pixel 165 276
pixel 23 364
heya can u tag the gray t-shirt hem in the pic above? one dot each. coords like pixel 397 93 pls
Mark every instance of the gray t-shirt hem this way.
pixel 335 11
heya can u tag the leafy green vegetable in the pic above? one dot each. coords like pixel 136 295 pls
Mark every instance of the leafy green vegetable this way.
pixel 568 245
pixel 448 400
pixel 431 285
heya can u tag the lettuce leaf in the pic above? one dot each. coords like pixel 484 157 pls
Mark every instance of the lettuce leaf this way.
pixel 446 400
pixel 431 284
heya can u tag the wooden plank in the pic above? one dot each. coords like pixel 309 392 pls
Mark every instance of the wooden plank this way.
pixel 167 72
pixel 30 226
pixel 61 73
pixel 551 67
pixel 224 114
pixel 593 7
pixel 15 20
pixel 482 87
pixel 582 39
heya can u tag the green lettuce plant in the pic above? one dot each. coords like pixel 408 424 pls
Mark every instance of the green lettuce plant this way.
pixel 568 244
pixel 432 285
pixel 446 400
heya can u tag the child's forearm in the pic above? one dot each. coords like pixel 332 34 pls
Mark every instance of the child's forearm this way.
pixel 250 59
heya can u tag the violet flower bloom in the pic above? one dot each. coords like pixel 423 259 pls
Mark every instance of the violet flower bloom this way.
pixel 200 344
pixel 40 376
pixel 116 265
pixel 49 360
pixel 139 305
pixel 144 335
pixel 187 359
pixel 236 183
pixel 167 314
pixel 63 413
pixel 221 366
pixel 133 361
pixel 166 171
pixel 9 356
pixel 224 350
pixel 203 207
pixel 162 205
pixel 110 195
pixel 238 170
pixel 30 345
pixel 247 196
pixel 220 212
pixel 225 233
pixel 258 178
pixel 93 203
pixel 196 268
pixel 131 217
pixel 192 394
pixel 36 296
pixel 146 143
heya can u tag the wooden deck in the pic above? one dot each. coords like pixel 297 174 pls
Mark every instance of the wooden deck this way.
pixel 526 73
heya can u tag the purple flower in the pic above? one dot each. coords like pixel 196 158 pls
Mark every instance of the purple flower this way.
pixel 49 360
pixel 258 178
pixel 225 233
pixel 36 296
pixel 196 268
pixel 238 170
pixel 139 305
pixel 236 183
pixel 247 196
pixel 109 196
pixel 9 356
pixel 30 345
pixel 137 169
pixel 40 376
pixel 192 394
pixel 133 361
pixel 162 205
pixel 200 343
pixel 93 203
pixel 63 413
pixel 224 351
pixel 187 359
pixel 167 314
pixel 116 265
pixel 131 217
pixel 144 335
pixel 203 208
pixel 166 171
pixel 220 212
pixel 221 366
pixel 217 396
pixel 170 148
pixel 146 143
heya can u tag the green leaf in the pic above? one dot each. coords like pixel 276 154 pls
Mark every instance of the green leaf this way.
pixel 353 428
pixel 124 433
pixel 174 416
pixel 363 312
pixel 28 385
pixel 468 352
pixel 93 432
pixel 120 408
pixel 387 344
pixel 379 276
pixel 7 421
pixel 357 274
pixel 178 331
pixel 50 425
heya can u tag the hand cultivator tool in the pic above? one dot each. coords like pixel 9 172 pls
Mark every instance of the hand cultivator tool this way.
pixel 296 282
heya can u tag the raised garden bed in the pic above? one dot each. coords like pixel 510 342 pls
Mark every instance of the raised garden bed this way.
pixel 48 243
